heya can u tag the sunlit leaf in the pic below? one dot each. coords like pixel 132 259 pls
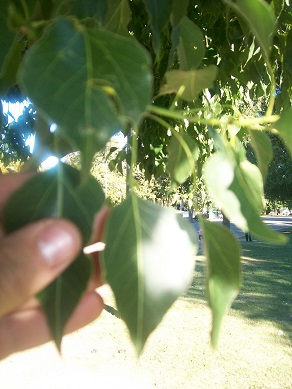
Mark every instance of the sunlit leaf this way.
pixel 93 86
pixel 222 252
pixel 284 126
pixel 149 261
pixel 237 188
pixel 58 192
pixel 118 16
pixel 262 145
pixel 191 48
pixel 182 157
pixel 260 18
pixel 189 84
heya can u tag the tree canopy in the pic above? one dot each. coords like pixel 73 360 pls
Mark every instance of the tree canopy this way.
pixel 171 75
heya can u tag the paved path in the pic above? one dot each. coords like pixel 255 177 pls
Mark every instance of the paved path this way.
pixel 275 222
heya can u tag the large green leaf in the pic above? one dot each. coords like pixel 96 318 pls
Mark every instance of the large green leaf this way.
pixel 189 84
pixel 149 261
pixel 223 272
pixel 262 145
pixel 59 192
pixel 159 12
pixel 182 157
pixel 191 48
pixel 95 83
pixel 118 16
pixel 284 126
pixel 237 188
pixel 6 36
pixel 260 18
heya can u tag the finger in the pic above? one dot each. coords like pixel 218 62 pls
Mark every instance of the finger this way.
pixel 97 236
pixel 32 257
pixel 28 328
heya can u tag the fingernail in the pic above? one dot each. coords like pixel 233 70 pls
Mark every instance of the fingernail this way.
pixel 58 242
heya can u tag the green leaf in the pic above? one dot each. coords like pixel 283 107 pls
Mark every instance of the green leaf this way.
pixel 89 9
pixel 237 188
pixel 118 16
pixel 10 68
pixel 223 272
pixel 262 145
pixel 149 261
pixel 58 192
pixel 284 126
pixel 189 84
pixel 179 10
pixel 7 36
pixel 182 157
pixel 260 18
pixel 191 48
pixel 93 86
pixel 160 13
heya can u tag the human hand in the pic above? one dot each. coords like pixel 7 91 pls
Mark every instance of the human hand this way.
pixel 30 259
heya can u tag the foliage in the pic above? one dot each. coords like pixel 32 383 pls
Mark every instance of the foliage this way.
pixel 278 182
pixel 14 135
pixel 168 76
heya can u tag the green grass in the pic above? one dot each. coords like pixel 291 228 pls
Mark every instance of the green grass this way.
pixel 254 347
pixel 266 291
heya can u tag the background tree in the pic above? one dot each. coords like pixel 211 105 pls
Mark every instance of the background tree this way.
pixel 15 133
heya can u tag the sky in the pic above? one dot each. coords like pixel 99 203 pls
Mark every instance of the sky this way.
pixel 14 110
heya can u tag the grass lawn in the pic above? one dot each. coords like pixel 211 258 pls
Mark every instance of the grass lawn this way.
pixel 254 349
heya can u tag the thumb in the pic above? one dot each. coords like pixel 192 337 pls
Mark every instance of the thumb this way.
pixel 34 256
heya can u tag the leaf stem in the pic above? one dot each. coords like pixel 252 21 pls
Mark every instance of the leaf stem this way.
pixel 60 190
pixel 175 133
pixel 25 9
pixel 134 157
pixel 140 272
pixel 255 123
pixel 271 104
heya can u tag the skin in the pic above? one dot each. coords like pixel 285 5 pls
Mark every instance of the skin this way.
pixel 30 259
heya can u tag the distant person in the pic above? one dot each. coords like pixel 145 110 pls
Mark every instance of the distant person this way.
pixel 200 234
pixel 248 237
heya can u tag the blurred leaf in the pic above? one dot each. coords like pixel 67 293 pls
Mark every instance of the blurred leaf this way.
pixel 237 188
pixel 182 157
pixel 284 126
pixel 191 48
pixel 58 192
pixel 10 68
pixel 7 36
pixel 149 261
pixel 118 16
pixel 262 145
pixel 89 9
pixel 222 252
pixel 179 9
pixel 159 12
pixel 260 18
pixel 93 86
pixel 189 84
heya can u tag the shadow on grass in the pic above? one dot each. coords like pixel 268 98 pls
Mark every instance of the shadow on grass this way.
pixel 266 284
